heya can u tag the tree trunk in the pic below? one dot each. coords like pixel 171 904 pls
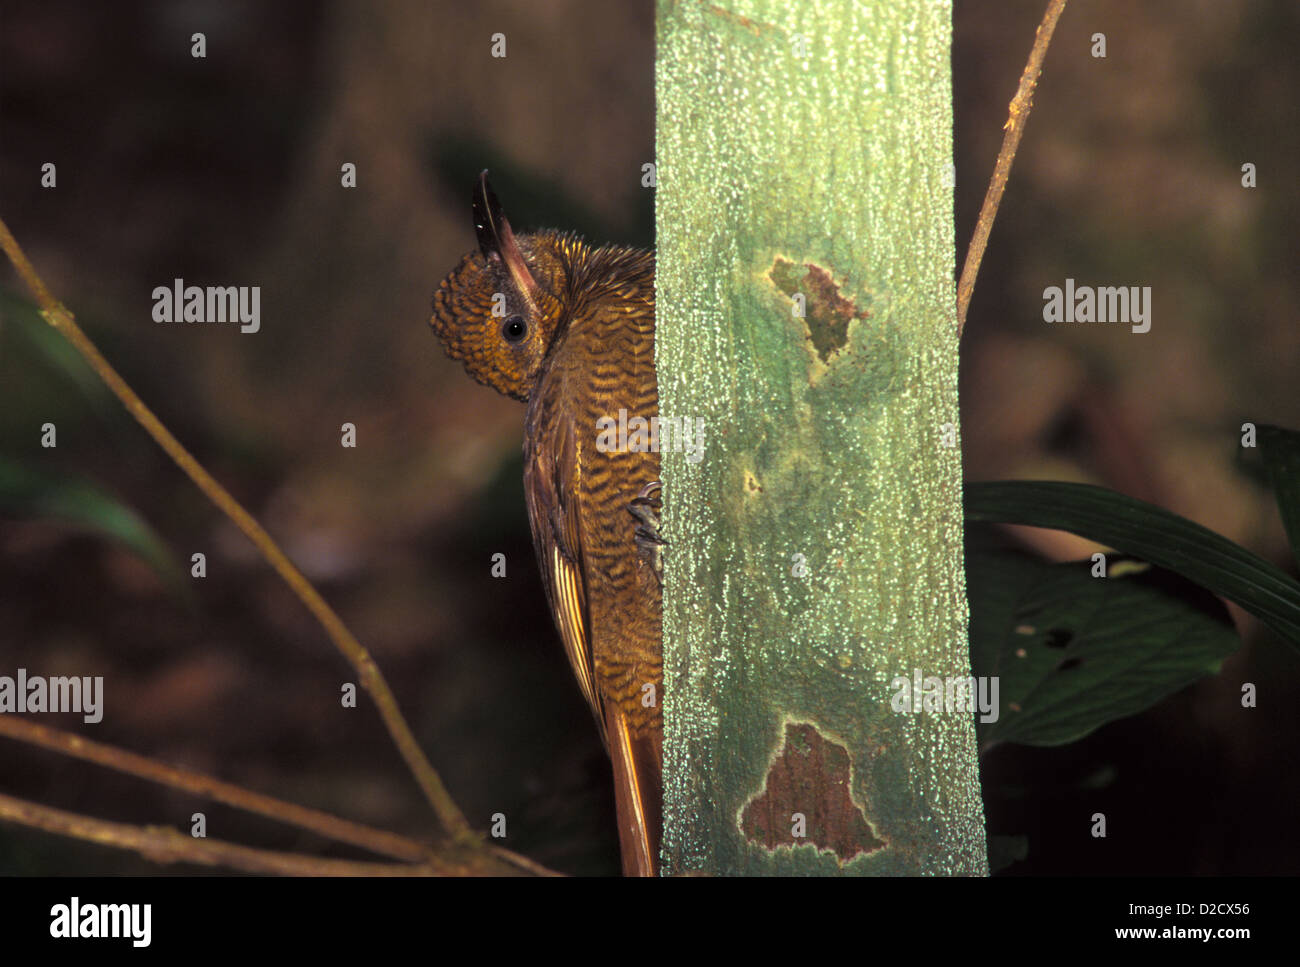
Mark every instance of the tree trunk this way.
pixel 806 313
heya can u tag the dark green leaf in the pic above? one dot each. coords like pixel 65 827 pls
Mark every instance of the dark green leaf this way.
pixel 1281 452
pixel 1148 532
pixel 1072 652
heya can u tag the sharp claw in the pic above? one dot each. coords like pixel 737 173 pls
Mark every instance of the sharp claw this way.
pixel 644 507
pixel 649 528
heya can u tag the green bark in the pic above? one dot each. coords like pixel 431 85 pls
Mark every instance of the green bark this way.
pixel 803 150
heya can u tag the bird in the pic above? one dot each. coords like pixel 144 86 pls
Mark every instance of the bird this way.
pixel 568 328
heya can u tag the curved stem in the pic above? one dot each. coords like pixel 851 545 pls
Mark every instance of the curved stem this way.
pixel 372 680
pixel 1018 114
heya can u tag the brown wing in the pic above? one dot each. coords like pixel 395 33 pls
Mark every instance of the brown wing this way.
pixel 550 481
pixel 551 459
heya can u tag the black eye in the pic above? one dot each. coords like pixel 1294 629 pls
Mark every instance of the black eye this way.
pixel 514 329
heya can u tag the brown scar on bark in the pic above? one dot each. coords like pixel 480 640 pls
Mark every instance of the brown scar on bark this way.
pixel 812 775
pixel 827 314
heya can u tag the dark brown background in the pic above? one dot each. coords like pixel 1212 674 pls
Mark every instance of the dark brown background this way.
pixel 226 171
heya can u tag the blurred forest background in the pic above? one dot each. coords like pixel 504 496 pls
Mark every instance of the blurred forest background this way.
pixel 226 171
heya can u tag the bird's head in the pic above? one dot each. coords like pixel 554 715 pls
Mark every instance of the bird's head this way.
pixel 500 308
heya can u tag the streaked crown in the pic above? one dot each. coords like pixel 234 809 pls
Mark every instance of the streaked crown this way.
pixel 500 308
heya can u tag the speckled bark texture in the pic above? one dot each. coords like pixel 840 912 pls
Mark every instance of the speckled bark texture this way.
pixel 815 551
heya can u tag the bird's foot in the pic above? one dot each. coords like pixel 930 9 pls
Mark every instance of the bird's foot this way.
pixel 645 508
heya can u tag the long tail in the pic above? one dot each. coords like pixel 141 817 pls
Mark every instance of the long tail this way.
pixel 638 793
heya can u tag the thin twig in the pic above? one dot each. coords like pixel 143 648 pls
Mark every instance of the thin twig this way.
pixel 1020 107
pixel 342 830
pixel 162 844
pixel 483 859
pixel 372 680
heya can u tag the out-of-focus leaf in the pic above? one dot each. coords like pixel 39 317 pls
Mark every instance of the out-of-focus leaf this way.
pixel 26 321
pixel 34 493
